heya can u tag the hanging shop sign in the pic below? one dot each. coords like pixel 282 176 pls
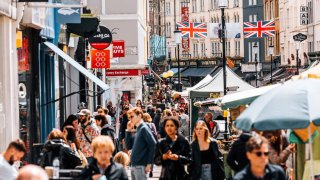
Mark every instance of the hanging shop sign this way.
pixel 100 58
pixel 185 44
pixel 122 72
pixel 304 15
pixel 102 39
pixel 118 48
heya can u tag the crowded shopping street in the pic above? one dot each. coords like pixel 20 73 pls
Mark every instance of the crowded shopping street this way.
pixel 159 89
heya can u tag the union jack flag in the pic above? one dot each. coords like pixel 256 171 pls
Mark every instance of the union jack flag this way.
pixel 193 30
pixel 259 29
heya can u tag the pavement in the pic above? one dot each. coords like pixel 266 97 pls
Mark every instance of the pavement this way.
pixel 156 172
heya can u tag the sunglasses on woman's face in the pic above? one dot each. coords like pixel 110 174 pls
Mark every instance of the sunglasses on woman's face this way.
pixel 259 153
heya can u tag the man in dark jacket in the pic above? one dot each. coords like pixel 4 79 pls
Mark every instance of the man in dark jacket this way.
pixel 237 158
pixel 157 118
pixel 259 167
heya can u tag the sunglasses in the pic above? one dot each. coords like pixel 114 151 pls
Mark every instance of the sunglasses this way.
pixel 259 153
pixel 130 117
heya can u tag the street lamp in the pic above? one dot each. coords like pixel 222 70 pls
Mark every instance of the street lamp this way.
pixel 178 39
pixel 271 47
pixel 255 50
pixel 297 50
pixel 223 4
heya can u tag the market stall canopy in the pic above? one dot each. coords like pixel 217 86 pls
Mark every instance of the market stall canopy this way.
pixel 204 81
pixel 294 105
pixel 216 85
pixel 238 98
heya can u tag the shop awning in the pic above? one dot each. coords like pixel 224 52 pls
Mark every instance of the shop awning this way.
pixel 76 65
pixel 197 72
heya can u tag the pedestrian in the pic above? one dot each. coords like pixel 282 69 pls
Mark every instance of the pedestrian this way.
pixel 165 113
pixel 143 146
pixel 174 113
pixel 56 147
pixel 173 152
pixel 14 152
pixel 157 118
pixel 279 148
pixel 237 158
pixel 122 158
pixel 32 172
pixel 71 120
pixel 212 125
pixel 123 126
pixel 102 166
pixel 139 103
pixel 112 111
pixel 69 133
pixel 86 132
pixel 185 122
pixel 207 160
pixel 259 167
pixel 107 130
pixel 147 119
pixel 105 112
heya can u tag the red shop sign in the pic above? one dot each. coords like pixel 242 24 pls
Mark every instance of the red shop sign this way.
pixel 100 58
pixel 122 72
pixel 118 48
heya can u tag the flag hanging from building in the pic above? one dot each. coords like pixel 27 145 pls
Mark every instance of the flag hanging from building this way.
pixel 185 18
pixel 184 14
pixel 193 30
pixel 230 63
pixel 259 29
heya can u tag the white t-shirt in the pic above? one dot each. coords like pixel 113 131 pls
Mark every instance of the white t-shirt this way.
pixel 7 172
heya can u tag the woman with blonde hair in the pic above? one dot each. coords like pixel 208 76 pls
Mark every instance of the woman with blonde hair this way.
pixel 102 166
pixel 148 120
pixel 207 163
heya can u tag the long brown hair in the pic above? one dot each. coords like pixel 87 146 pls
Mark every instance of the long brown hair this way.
pixel 72 136
pixel 206 133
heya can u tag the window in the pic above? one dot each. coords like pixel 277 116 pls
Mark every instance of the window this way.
pixel 252 2
pixel 272 10
pixel 236 3
pixel 201 5
pixel 310 12
pixel 203 50
pixel 195 50
pixel 267 11
pixel 228 48
pixel 168 29
pixel 237 43
pixel 251 55
pixel 253 18
pixel 168 8
pixel 215 49
pixel 212 4
pixel 194 5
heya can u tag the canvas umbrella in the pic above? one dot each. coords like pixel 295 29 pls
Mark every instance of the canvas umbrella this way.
pixel 293 105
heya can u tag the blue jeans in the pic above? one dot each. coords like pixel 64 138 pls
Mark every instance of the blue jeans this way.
pixel 206 172
pixel 139 173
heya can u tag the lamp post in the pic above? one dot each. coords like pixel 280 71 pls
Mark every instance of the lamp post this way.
pixel 223 4
pixel 177 39
pixel 297 51
pixel 255 50
pixel 271 47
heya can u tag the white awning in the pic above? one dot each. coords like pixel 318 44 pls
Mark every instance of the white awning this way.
pixel 76 65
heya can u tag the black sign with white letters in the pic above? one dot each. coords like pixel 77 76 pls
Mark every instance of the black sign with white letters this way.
pixel 299 37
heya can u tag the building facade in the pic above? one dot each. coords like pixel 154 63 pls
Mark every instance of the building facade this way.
pixel 128 23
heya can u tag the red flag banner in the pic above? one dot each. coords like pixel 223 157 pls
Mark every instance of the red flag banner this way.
pixel 184 14
pixel 185 44
pixel 100 58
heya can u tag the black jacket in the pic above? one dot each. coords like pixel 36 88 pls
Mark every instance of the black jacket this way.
pixel 217 168
pixel 237 158
pixel 56 148
pixel 108 130
pixel 173 170
pixel 272 172
pixel 123 127
pixel 114 172
pixel 156 121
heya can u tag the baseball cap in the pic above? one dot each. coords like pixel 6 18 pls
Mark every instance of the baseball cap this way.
pixel 84 112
